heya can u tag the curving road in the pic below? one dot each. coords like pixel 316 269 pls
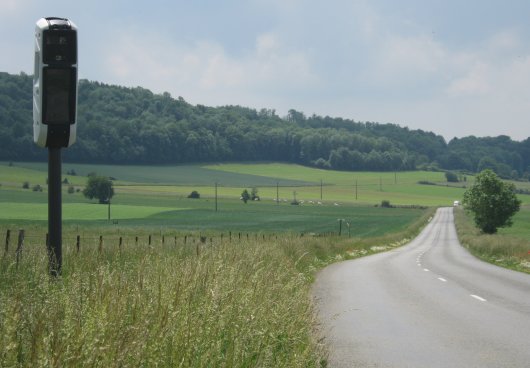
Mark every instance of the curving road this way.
pixel 427 304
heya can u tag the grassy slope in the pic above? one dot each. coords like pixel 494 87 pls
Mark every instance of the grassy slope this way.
pixel 172 307
pixel 509 248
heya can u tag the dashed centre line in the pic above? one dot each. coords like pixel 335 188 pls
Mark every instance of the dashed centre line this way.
pixel 418 262
pixel 478 298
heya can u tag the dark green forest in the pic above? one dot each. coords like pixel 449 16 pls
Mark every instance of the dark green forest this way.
pixel 134 126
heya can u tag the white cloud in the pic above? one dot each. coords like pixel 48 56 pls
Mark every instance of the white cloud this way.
pixel 204 71
pixel 8 7
pixel 475 82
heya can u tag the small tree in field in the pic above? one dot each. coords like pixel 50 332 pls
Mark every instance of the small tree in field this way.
pixel 99 187
pixel 451 177
pixel 492 202
pixel 245 196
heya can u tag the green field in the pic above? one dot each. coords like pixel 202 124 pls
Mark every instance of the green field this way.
pixel 187 287
pixel 157 196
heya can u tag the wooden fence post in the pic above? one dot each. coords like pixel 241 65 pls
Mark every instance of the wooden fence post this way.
pixel 78 243
pixel 120 244
pixel 21 234
pixel 149 239
pixel 8 239
pixel 100 248
pixel 135 240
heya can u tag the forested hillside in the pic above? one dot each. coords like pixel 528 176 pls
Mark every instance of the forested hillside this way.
pixel 133 125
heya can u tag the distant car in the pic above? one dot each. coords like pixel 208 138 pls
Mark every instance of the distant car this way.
pixel 456 203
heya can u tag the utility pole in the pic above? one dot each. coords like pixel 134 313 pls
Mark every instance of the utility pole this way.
pixel 215 196
pixel 277 193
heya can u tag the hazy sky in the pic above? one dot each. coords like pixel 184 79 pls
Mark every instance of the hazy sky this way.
pixel 456 68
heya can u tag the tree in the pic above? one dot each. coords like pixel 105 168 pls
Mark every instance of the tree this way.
pixel 194 194
pixel 451 177
pixel 245 196
pixel 492 202
pixel 99 187
pixel 254 194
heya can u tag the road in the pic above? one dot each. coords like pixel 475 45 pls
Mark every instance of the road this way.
pixel 427 304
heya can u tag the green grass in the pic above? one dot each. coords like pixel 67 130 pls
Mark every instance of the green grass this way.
pixel 521 222
pixel 181 175
pixel 509 248
pixel 238 303
pixel 77 211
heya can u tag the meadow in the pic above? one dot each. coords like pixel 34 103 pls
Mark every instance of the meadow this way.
pixel 508 248
pixel 170 281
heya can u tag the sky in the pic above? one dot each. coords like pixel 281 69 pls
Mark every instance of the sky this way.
pixel 453 67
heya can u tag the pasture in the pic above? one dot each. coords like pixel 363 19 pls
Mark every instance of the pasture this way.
pixel 156 196
pixel 146 290
pixel 170 281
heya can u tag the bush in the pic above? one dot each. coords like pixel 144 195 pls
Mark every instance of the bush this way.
pixel 245 196
pixel 492 202
pixel 37 188
pixel 451 177
pixel 25 185
pixel 426 182
pixel 71 189
pixel 254 194
pixel 385 203
pixel 194 195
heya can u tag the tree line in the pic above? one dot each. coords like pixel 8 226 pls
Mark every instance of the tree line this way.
pixel 135 126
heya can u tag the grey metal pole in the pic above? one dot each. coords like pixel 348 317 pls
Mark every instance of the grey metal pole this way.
pixel 54 245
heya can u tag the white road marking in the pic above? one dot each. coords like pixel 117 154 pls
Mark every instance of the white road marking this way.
pixel 442 279
pixel 478 298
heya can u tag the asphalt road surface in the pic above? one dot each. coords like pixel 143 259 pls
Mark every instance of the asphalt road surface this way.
pixel 427 304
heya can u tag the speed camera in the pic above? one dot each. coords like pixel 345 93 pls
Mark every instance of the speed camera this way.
pixel 55 83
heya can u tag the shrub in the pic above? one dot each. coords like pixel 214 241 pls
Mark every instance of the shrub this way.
pixel 245 196
pixel 386 203
pixel 254 194
pixel 491 201
pixel 194 195
pixel 25 185
pixel 451 177
pixel 71 189
pixel 37 188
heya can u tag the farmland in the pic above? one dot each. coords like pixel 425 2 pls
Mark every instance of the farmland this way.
pixel 170 281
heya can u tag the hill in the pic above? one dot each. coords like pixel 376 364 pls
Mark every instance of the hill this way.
pixel 134 126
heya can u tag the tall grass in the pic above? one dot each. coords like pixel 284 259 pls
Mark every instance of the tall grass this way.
pixel 215 304
pixel 503 250
pixel 231 305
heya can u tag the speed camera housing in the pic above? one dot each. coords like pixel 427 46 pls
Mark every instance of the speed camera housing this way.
pixel 55 83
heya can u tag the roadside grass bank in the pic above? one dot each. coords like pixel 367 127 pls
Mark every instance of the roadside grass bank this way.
pixel 196 304
pixel 501 249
